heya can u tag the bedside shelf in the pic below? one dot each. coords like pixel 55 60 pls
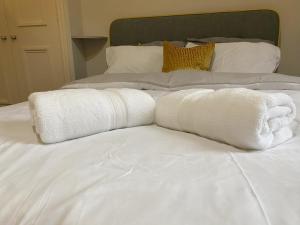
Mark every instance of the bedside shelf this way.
pixel 85 48
pixel 89 37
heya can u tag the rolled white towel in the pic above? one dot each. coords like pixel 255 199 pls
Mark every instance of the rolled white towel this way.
pixel 241 117
pixel 68 114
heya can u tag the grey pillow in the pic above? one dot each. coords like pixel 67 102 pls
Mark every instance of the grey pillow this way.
pixel 228 40
pixel 160 43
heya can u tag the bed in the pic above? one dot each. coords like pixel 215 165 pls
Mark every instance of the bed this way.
pixel 151 175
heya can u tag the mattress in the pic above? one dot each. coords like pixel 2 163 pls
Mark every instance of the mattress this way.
pixel 144 175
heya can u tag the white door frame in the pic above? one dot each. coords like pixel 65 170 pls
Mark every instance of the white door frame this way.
pixel 66 39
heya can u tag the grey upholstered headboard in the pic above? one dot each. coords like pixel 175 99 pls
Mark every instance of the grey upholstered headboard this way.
pixel 258 24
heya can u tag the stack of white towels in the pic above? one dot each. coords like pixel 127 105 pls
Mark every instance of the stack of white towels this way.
pixel 240 117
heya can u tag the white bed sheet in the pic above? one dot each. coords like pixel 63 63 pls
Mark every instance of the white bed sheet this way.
pixel 143 176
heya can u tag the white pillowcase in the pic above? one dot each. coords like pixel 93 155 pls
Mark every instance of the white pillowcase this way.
pixel 134 59
pixel 245 57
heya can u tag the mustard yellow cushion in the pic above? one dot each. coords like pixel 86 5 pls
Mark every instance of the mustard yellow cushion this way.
pixel 178 58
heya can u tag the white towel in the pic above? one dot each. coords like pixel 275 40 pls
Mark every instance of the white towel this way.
pixel 68 114
pixel 243 118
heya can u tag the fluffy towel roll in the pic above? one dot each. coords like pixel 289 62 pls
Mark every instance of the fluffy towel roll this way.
pixel 240 117
pixel 68 114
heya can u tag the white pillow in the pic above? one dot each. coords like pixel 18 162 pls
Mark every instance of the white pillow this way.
pixel 134 59
pixel 245 57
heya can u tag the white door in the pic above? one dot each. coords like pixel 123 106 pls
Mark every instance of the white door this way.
pixel 8 82
pixel 36 42
pixel 3 40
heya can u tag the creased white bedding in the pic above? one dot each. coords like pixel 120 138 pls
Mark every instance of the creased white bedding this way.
pixel 144 175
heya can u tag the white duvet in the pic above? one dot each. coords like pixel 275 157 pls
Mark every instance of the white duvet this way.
pixel 143 176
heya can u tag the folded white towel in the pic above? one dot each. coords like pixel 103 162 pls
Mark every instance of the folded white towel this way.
pixel 67 114
pixel 244 118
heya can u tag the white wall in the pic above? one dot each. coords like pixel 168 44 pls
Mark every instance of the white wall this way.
pixel 75 15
